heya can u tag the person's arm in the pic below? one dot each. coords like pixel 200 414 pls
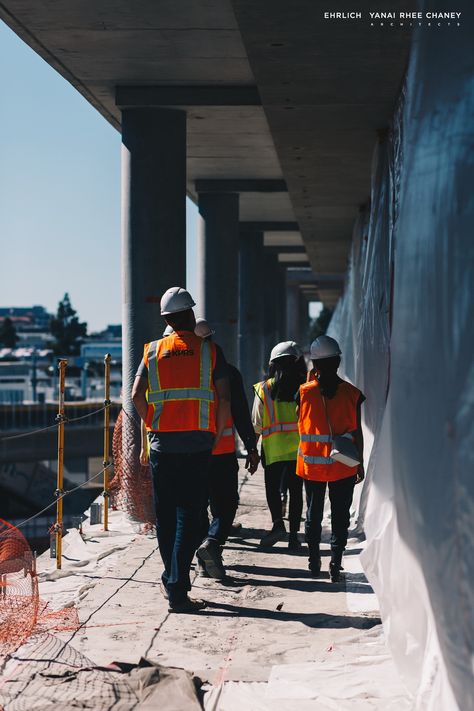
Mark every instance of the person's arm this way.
pixel 359 442
pixel 223 406
pixel 257 415
pixel 242 420
pixel 140 386
pixel 297 401
pixel 144 453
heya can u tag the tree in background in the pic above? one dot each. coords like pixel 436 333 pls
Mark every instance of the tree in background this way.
pixel 67 329
pixel 8 337
pixel 319 325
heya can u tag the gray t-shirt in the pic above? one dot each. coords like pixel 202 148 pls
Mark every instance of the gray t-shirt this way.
pixel 191 441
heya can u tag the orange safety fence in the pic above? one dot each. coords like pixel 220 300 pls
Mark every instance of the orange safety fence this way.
pixel 22 612
pixel 131 487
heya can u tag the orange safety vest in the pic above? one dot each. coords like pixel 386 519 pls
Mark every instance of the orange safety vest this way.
pixel 315 414
pixel 226 444
pixel 181 394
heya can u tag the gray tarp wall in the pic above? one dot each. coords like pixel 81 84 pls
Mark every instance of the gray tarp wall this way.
pixel 406 326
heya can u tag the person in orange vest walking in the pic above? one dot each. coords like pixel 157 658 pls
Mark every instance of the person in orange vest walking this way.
pixel 181 392
pixel 274 418
pixel 224 469
pixel 331 450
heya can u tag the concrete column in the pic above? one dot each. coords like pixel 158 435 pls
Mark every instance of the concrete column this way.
pixel 303 320
pixel 250 308
pixel 270 304
pixel 281 316
pixel 153 226
pixel 218 298
pixel 292 312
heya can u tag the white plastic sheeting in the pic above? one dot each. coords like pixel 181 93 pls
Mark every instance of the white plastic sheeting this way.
pixel 412 274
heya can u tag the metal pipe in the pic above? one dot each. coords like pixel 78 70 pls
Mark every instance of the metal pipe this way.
pixel 106 461
pixel 60 478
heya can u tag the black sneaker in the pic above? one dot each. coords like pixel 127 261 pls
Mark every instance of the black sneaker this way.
pixel 335 572
pixel 278 533
pixel 188 606
pixel 209 554
pixel 294 544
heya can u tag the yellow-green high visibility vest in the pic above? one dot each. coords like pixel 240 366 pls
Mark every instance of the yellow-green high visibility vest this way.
pixel 280 438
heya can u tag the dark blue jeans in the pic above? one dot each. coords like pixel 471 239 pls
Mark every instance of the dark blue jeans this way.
pixel 180 492
pixel 223 495
pixel 340 496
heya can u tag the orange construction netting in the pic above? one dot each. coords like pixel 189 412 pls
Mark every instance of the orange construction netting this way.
pixel 22 612
pixel 18 589
pixel 131 487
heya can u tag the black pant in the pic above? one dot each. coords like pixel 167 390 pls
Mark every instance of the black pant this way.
pixel 340 496
pixel 273 477
pixel 223 494
pixel 180 492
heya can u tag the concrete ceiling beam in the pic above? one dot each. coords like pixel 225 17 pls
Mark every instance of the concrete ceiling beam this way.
pixel 246 185
pixel 285 249
pixel 269 227
pixel 129 97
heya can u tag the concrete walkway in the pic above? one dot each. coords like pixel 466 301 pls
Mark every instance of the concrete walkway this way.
pixel 269 623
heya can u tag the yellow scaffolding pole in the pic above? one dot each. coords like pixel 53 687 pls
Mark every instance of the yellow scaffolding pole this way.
pixel 106 461
pixel 60 479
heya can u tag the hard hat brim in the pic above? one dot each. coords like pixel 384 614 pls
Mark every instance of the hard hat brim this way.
pixel 325 357
pixel 177 311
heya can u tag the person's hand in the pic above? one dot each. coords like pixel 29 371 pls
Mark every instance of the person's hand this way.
pixel 143 457
pixel 360 476
pixel 252 461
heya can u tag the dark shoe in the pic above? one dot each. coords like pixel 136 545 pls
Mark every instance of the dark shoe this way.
pixel 188 606
pixel 235 529
pixel 201 570
pixel 314 566
pixel 209 553
pixel 163 590
pixel 294 544
pixel 278 533
pixel 335 572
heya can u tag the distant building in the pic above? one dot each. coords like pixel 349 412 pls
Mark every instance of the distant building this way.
pixel 27 318
pixel 15 382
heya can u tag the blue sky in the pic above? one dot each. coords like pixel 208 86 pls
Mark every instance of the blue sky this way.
pixel 59 192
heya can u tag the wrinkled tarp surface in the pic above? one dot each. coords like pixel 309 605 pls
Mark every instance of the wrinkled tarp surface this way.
pixel 48 673
pixel 405 324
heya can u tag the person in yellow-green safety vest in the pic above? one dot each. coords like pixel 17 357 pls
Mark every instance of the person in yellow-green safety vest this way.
pixel 274 419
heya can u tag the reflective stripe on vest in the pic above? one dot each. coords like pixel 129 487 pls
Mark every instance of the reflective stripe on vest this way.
pixel 226 444
pixel 315 438
pixel 281 427
pixel 204 394
pixel 315 460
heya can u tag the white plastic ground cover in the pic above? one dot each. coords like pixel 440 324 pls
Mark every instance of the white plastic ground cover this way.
pixel 413 260
pixel 356 676
pixel 82 556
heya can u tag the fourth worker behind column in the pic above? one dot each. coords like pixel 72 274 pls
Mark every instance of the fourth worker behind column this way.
pixel 181 392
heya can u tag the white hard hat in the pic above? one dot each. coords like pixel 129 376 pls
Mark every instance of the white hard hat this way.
pixel 168 331
pixel 298 349
pixel 202 328
pixel 324 347
pixel 175 300
pixel 285 348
